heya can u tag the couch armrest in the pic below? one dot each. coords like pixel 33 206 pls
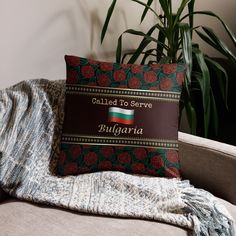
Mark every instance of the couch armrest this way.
pixel 209 165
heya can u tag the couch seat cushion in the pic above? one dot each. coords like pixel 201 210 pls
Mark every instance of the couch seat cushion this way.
pixel 22 218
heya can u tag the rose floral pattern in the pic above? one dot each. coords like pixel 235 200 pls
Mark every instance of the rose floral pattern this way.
pixel 79 159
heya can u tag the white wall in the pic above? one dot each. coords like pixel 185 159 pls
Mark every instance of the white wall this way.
pixel 226 10
pixel 36 34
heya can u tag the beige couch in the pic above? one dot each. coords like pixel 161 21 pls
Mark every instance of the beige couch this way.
pixel 207 164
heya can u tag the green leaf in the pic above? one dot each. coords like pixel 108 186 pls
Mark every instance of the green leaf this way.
pixel 204 82
pixel 145 56
pixel 127 54
pixel 222 77
pixel 220 45
pixel 148 53
pixel 186 48
pixel 165 60
pixel 148 7
pixel 190 10
pixel 214 113
pixel 144 43
pixel 161 38
pixel 191 116
pixel 119 49
pixel 133 32
pixel 176 42
pixel 165 8
pixel 210 13
pixel 207 40
pixel 180 11
pixel 140 33
pixel 139 50
pixel 149 3
pixel 108 17
pixel 186 100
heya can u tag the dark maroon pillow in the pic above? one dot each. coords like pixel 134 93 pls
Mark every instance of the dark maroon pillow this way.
pixel 121 117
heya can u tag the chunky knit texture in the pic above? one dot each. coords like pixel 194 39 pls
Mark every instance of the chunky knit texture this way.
pixel 31 117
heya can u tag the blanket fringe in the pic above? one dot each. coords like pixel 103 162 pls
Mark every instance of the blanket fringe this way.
pixel 209 216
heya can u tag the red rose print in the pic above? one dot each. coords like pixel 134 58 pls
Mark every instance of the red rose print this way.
pixel 107 151
pixel 70 168
pixel 105 66
pixel 119 75
pixel 92 62
pixel 154 88
pixel 138 168
pixel 155 66
pixel 140 153
pixel 157 162
pixel 166 84
pixel 62 157
pixel 172 172
pixel 180 78
pixel 122 86
pixel 136 69
pixel 105 165
pixel 152 172
pixel 151 149
pixel 124 158
pixel 87 146
pixel 73 61
pixel 119 168
pixel 119 147
pixel 150 76
pixel 84 170
pixel 92 83
pixel 75 151
pixel 90 158
pixel 87 72
pixel 172 156
pixel 71 76
pixel 125 66
pixel 103 80
pixel 134 83
pixel 169 68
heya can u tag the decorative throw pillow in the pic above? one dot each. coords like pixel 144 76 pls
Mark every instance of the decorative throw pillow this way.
pixel 121 117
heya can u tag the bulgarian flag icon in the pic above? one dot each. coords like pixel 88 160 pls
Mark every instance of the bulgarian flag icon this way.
pixel 120 115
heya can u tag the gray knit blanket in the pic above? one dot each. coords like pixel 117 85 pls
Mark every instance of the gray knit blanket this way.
pixel 31 117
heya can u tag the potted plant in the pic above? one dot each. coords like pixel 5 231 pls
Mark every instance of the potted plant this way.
pixel 170 40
